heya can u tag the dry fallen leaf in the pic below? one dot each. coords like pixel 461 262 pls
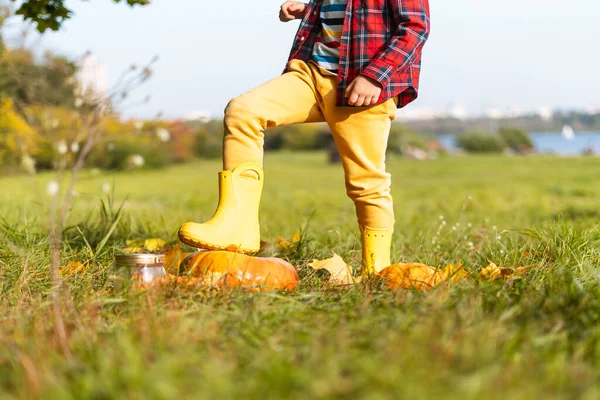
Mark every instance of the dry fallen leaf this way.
pixel 72 268
pixel 455 272
pixel 285 245
pixel 341 273
pixel 407 276
pixel 493 272
pixel 153 244
pixel 174 257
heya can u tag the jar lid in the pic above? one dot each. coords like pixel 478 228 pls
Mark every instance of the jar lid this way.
pixel 139 258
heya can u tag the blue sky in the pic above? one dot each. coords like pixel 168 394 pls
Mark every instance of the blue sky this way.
pixel 483 53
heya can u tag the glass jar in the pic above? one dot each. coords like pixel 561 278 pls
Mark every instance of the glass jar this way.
pixel 142 268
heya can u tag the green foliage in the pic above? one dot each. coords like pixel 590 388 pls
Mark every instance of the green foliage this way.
pixel 123 154
pixel 401 138
pixel 481 142
pixel 299 137
pixel 209 140
pixel 49 82
pixel 50 14
pixel 515 138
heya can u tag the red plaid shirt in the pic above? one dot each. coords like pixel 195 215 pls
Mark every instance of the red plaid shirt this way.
pixel 381 39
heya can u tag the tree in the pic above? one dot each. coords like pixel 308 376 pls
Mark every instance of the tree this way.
pixel 48 82
pixel 516 138
pixel 50 14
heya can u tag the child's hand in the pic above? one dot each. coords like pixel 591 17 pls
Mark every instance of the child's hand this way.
pixel 291 10
pixel 363 91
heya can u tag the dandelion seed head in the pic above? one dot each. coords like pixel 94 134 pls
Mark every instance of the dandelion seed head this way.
pixel 52 188
pixel 137 160
pixel 61 148
pixel 163 135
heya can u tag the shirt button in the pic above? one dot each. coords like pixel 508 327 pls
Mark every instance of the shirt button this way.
pixel 314 13
pixel 302 39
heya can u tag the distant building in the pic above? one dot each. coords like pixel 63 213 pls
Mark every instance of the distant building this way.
pixel 459 111
pixel 545 113
pixel 92 77
pixel 514 112
pixel 594 109
pixel 198 116
pixel 494 113
pixel 418 114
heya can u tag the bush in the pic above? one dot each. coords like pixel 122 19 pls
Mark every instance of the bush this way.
pixel 122 155
pixel 208 145
pixel 516 139
pixel 401 139
pixel 301 137
pixel 481 142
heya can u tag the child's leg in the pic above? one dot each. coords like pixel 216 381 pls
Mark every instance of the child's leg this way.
pixel 361 134
pixel 287 99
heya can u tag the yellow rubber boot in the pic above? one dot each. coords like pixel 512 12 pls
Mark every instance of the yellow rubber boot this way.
pixel 234 226
pixel 376 246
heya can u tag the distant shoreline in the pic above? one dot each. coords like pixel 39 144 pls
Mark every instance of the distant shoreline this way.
pixel 531 124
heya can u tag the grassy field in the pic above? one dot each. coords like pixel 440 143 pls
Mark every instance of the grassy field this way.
pixel 529 337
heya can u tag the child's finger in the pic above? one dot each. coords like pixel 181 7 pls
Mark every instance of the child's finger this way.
pixel 353 98
pixel 285 14
pixel 349 89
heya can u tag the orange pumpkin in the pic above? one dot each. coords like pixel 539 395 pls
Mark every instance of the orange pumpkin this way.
pixel 227 269
pixel 406 276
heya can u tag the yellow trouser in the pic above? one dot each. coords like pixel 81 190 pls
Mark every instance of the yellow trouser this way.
pixel 307 94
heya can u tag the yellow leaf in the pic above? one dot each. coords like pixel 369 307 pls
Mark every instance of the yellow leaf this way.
pixel 132 250
pixel 341 273
pixel 492 272
pixel 72 268
pixel 285 245
pixel 174 257
pixel 455 272
pixel 406 276
pixel 147 244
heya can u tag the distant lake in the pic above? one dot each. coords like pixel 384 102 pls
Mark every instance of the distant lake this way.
pixel 549 142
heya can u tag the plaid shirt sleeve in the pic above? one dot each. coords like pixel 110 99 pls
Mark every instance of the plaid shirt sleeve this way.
pixel 412 18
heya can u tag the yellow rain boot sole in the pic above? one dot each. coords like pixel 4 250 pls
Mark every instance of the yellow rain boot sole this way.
pixel 208 246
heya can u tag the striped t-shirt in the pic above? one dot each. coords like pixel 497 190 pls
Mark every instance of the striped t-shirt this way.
pixel 326 51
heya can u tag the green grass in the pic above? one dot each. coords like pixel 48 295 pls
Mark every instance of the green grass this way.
pixel 533 336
